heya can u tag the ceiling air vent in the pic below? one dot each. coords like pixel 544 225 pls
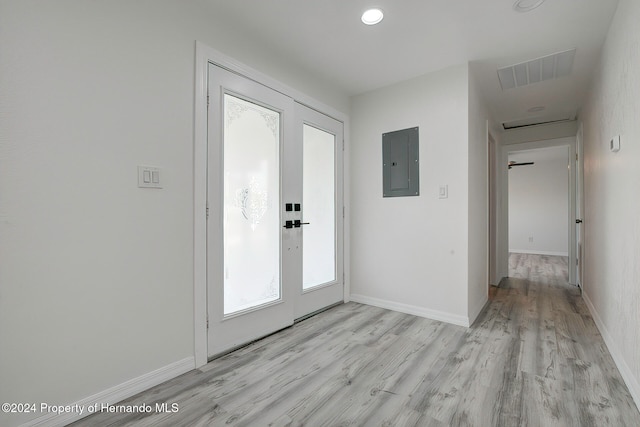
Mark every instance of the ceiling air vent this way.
pixel 537 70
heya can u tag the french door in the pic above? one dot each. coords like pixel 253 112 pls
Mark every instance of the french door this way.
pixel 320 151
pixel 259 227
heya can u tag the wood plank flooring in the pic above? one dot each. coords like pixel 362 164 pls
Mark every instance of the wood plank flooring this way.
pixel 533 358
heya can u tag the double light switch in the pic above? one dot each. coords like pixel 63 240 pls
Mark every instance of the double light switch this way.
pixel 149 177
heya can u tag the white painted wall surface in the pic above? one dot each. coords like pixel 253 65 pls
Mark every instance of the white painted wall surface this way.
pixel 478 280
pixel 412 252
pixel 612 180
pixel 96 275
pixel 539 202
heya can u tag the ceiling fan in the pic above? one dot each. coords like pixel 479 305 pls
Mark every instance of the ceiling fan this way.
pixel 513 163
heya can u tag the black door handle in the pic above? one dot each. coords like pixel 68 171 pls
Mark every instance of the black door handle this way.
pixel 288 224
pixel 578 221
pixel 297 223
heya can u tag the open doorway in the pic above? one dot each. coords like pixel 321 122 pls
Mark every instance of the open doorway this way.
pixel 539 202
pixel 540 195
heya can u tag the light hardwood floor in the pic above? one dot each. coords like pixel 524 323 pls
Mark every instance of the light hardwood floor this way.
pixel 533 358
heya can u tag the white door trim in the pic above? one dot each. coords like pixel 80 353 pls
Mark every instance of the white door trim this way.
pixel 204 56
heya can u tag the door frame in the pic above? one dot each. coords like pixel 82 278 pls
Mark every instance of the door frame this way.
pixel 571 218
pixel 204 56
pixel 492 210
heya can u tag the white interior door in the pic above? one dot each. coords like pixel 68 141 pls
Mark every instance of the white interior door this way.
pixel 251 265
pixel 579 208
pixel 320 154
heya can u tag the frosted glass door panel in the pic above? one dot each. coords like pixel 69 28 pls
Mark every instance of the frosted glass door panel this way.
pixel 319 238
pixel 251 205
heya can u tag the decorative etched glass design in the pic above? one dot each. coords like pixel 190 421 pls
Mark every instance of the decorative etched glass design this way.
pixel 319 248
pixel 251 205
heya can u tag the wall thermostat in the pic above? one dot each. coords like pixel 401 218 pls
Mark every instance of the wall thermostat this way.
pixel 615 144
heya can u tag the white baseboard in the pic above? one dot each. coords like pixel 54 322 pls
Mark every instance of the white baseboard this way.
pixel 116 394
pixel 535 252
pixel 412 309
pixel 475 312
pixel 627 375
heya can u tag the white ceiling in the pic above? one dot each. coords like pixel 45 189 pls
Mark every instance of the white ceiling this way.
pixel 416 37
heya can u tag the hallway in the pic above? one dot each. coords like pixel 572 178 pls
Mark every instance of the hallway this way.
pixel 561 349
pixel 534 358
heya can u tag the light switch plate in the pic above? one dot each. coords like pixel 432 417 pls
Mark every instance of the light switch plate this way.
pixel 443 192
pixel 614 144
pixel 149 177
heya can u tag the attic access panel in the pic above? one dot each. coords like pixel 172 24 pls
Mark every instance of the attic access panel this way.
pixel 400 166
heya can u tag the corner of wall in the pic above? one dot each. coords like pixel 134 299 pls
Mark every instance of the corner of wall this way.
pixel 477 196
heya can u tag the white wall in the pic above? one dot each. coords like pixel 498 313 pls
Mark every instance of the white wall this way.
pixel 411 253
pixel 539 203
pixel 612 208
pixel 478 279
pixel 96 275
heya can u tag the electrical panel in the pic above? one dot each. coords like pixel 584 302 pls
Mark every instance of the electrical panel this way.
pixel 400 165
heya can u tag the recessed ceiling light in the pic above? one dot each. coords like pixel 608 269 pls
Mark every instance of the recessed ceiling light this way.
pixel 524 6
pixel 536 109
pixel 372 16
